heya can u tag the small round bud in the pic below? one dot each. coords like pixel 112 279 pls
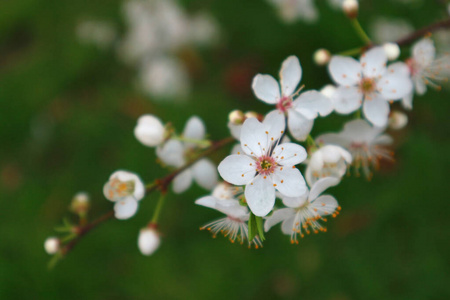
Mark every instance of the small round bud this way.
pixel 148 241
pixel 149 130
pixel 80 203
pixel 236 117
pixel 51 245
pixel 350 8
pixel 392 50
pixel 252 114
pixel 397 120
pixel 328 90
pixel 322 57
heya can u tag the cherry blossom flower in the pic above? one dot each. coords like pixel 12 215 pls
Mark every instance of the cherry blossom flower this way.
pixel 303 213
pixel 368 83
pixel 292 10
pixel 225 198
pixel 148 241
pixel 177 153
pixel 265 165
pixel 52 245
pixel 425 69
pixel 300 111
pixel 149 130
pixel 126 189
pixel 327 161
pixel 366 143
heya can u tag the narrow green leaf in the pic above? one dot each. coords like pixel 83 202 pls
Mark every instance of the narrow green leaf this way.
pixel 260 227
pixel 252 227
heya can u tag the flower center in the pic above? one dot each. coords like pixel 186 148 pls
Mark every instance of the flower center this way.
pixel 266 165
pixel 284 103
pixel 120 189
pixel 412 66
pixel 367 85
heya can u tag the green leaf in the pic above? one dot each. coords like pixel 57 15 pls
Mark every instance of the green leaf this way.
pixel 252 227
pixel 260 227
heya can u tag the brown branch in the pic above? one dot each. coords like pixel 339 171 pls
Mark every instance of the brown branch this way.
pixel 160 184
pixel 423 32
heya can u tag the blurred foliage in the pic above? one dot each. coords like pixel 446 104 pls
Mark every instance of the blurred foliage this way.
pixel 68 112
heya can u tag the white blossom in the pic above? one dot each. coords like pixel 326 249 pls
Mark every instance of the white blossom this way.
pixel 366 143
pixel 392 51
pixel 384 30
pixel 225 198
pixel 149 130
pixel 126 189
pixel 266 165
pixel 302 214
pixel 350 8
pixel 293 10
pixel 300 111
pixel 99 33
pixel 397 120
pixel 148 241
pixel 368 83
pixel 51 245
pixel 327 161
pixel 176 153
pixel 80 203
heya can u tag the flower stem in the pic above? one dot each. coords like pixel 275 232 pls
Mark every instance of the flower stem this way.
pixel 358 114
pixel 202 143
pixel 360 31
pixel 158 208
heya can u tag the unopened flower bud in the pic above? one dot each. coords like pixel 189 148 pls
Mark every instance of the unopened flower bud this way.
pixel 51 245
pixel 80 203
pixel 397 120
pixel 328 90
pixel 392 50
pixel 149 131
pixel 148 241
pixel 350 8
pixel 252 114
pixel 322 57
pixel 236 117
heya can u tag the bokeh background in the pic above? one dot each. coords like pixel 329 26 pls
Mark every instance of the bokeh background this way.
pixel 68 111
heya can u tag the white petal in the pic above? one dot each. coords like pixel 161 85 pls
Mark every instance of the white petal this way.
pixel 182 181
pixel 289 154
pixel 299 126
pixel 360 131
pixel 325 205
pixel 289 182
pixel 347 99
pixel 295 202
pixel 266 88
pixel 194 129
pixel 345 70
pixel 260 195
pixel 171 153
pixel 275 125
pixel 149 130
pixel 311 103
pixel 237 169
pixel 126 208
pixel 254 139
pixel 207 201
pixel 333 139
pixel 384 139
pixel 407 101
pixel 290 75
pixel 237 149
pixel 374 62
pixel 205 173
pixel 287 227
pixel 419 84
pixel 148 241
pixel 394 86
pixel 321 185
pixel 235 130
pixel 398 68
pixel 376 110
pixel 424 52
pixel 278 216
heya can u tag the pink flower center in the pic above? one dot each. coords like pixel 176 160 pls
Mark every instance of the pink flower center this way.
pixel 284 103
pixel 265 165
pixel 367 85
pixel 412 66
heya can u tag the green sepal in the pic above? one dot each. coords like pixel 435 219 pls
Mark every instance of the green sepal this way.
pixel 252 227
pixel 260 227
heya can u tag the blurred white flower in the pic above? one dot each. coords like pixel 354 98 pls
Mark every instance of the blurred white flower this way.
pixel 350 8
pixel 327 161
pixel 164 77
pixel 369 83
pixel 366 143
pixel 300 111
pixel 176 153
pixel 203 29
pixel 51 245
pixel 265 165
pixel 80 203
pixel 384 30
pixel 321 57
pixel 293 10
pixel 224 198
pixel 149 130
pixel 98 33
pixel 303 213
pixel 125 189
pixel 148 241
pixel 392 51
pixel 397 120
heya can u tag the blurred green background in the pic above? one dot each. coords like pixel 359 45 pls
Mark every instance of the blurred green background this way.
pixel 68 111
